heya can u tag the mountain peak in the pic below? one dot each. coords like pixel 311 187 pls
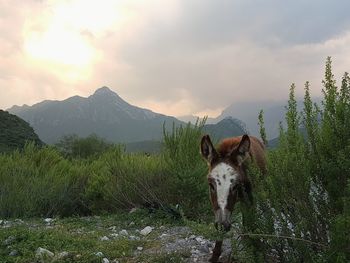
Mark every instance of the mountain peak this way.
pixel 104 90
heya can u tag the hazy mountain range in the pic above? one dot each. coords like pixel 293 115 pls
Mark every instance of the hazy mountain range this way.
pixel 103 113
pixel 107 115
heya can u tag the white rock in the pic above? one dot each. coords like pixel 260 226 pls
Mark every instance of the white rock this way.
pixel 104 238
pixel 113 228
pixel 146 231
pixel 105 260
pixel 123 232
pixel 63 255
pixel 133 210
pixel 114 235
pixel 13 253
pixel 132 223
pixel 139 248
pixel 199 239
pixel 42 252
pixel 1 221
pixel 48 220
pixel 192 237
pixel 99 254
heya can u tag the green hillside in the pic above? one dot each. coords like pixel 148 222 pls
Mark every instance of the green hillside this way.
pixel 15 132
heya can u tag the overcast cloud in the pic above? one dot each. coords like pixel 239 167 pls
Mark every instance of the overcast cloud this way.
pixel 174 57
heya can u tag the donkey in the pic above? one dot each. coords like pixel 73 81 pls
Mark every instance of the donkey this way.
pixel 227 178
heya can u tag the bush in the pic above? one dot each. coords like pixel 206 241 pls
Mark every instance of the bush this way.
pixel 306 193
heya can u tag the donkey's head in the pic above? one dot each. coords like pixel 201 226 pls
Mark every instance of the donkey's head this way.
pixel 225 178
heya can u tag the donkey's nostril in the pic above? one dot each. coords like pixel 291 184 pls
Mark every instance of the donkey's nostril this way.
pixel 227 226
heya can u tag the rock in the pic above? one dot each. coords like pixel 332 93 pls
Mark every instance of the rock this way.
pixel 123 232
pixel 105 260
pixel 63 255
pixel 133 210
pixel 48 220
pixel 199 239
pixel 1 221
pixel 13 253
pixel 162 236
pixel 44 253
pixel 9 241
pixel 139 248
pixel 114 235
pixel 99 254
pixel 104 238
pixel 134 238
pixel 204 249
pixel 132 223
pixel 113 228
pixel 146 231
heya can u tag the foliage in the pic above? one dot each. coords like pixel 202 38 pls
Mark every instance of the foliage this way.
pixel 306 194
pixel 15 132
pixel 74 147
pixel 186 169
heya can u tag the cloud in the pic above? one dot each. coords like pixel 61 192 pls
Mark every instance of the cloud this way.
pixel 175 57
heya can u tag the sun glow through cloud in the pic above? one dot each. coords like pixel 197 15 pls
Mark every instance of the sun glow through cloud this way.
pixel 60 37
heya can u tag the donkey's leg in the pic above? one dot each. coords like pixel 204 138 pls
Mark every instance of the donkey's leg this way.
pixel 216 251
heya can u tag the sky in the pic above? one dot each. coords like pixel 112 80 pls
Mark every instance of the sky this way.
pixel 176 57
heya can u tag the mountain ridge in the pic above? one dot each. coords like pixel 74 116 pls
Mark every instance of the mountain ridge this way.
pixel 104 113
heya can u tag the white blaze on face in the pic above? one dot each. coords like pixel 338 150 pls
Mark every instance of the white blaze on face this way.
pixel 224 176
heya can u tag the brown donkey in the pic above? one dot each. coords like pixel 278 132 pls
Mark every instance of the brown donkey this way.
pixel 227 177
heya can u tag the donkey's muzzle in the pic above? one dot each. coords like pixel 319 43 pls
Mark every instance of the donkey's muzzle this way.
pixel 226 226
pixel 222 220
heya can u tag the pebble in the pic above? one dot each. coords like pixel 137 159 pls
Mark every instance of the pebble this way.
pixel 9 241
pixel 104 238
pixel 99 254
pixel 63 255
pixel 123 232
pixel 113 228
pixel 146 231
pixel 139 248
pixel 13 253
pixel 42 252
pixel 48 220
pixel 105 260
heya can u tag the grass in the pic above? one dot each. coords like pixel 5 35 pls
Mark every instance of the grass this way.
pixel 81 238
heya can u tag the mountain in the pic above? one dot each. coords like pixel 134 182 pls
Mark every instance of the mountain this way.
pixel 227 127
pixel 15 132
pixel 193 119
pixel 104 113
pixel 274 113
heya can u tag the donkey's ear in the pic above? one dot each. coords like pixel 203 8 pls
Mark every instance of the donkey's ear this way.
pixel 243 148
pixel 207 149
